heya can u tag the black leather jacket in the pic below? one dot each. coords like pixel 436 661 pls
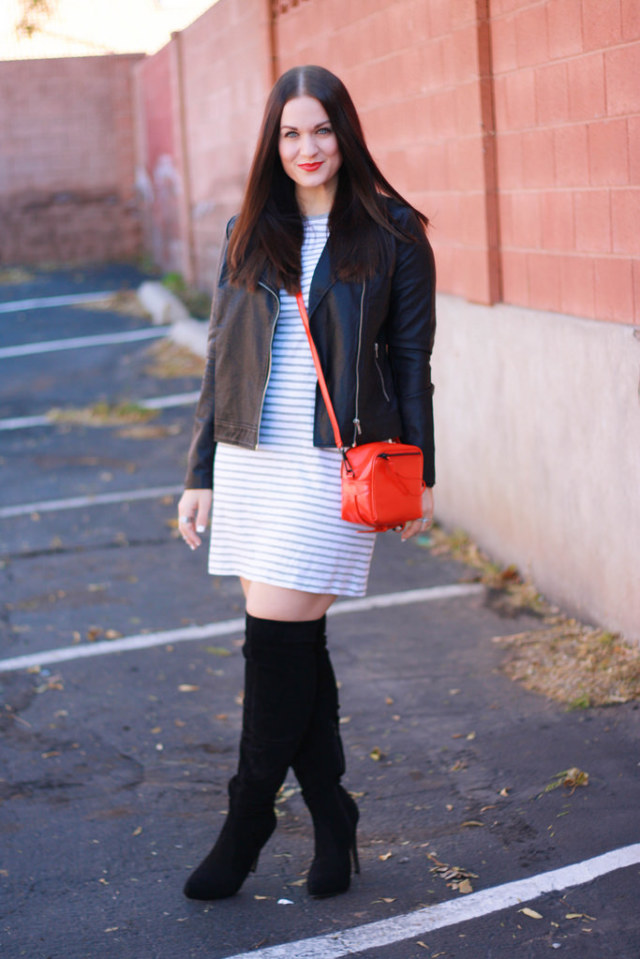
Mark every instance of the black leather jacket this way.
pixel 374 340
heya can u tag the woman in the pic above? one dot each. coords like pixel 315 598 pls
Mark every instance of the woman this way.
pixel 318 216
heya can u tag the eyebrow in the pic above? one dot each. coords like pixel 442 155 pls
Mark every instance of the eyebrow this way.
pixel 323 123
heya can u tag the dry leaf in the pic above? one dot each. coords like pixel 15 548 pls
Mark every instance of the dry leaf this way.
pixel 385 856
pixel 137 831
pixel 504 792
pixel 218 651
pixel 465 886
pixel 580 915
pixel 375 754
pixel 186 688
pixel 472 822
pixel 531 913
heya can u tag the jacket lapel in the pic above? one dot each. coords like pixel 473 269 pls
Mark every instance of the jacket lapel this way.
pixel 322 279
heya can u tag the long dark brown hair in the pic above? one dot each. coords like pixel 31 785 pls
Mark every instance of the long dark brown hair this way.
pixel 269 230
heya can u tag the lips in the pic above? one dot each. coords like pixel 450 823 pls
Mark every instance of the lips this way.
pixel 310 167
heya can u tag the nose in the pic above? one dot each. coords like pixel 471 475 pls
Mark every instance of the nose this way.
pixel 308 148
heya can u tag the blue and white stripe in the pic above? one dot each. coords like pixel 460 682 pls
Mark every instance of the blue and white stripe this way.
pixel 276 509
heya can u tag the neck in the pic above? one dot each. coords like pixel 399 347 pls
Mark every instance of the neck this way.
pixel 317 201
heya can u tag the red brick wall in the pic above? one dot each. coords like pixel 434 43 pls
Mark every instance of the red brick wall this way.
pixel 567 94
pixel 226 76
pixel 412 68
pixel 67 160
pixel 519 136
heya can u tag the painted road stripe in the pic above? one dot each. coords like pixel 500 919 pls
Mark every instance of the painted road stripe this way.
pixel 155 403
pixel 227 628
pixel 36 303
pixel 168 402
pixel 80 502
pixel 422 922
pixel 80 342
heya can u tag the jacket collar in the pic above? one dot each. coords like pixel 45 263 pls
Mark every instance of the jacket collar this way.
pixel 322 281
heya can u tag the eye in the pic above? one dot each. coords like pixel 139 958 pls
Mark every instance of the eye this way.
pixel 289 134
pixel 325 131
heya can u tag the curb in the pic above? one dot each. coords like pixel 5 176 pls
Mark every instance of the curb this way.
pixel 166 309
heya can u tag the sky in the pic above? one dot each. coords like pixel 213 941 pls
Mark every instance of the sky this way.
pixel 93 27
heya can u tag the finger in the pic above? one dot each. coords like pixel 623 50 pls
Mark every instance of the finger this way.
pixel 185 526
pixel 411 529
pixel 202 518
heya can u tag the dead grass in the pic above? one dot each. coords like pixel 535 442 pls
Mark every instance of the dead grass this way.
pixel 563 659
pixel 169 360
pixel 15 274
pixel 103 414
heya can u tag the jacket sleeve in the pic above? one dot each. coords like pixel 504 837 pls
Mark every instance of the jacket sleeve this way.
pixel 202 449
pixel 411 331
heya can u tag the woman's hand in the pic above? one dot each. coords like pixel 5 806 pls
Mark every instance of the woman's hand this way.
pixel 193 515
pixel 417 526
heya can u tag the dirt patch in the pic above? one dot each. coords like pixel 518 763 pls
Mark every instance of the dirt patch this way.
pixel 563 659
pixel 124 301
pixel 573 663
pixel 171 361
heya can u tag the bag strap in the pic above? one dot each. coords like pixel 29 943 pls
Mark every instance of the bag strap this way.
pixel 321 380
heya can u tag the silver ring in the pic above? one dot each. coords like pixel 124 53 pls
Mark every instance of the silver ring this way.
pixel 427 519
pixel 185 519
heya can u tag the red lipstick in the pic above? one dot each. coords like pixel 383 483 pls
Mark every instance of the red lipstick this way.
pixel 310 167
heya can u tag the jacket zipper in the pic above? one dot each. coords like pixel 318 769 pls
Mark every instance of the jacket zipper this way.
pixel 356 421
pixel 266 382
pixel 376 350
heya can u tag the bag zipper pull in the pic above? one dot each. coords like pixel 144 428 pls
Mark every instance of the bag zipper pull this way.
pixel 356 423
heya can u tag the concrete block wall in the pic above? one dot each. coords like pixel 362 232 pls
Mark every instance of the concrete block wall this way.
pixel 67 160
pixel 225 74
pixel 157 175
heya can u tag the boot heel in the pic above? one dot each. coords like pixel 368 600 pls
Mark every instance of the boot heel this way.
pixel 354 856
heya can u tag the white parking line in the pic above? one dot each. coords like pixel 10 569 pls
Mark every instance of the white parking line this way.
pixel 423 921
pixel 80 342
pixel 80 502
pixel 227 627
pixel 154 403
pixel 36 303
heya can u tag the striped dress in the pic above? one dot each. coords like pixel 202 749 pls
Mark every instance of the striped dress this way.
pixel 276 509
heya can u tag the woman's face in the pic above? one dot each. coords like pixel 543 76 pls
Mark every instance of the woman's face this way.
pixel 309 153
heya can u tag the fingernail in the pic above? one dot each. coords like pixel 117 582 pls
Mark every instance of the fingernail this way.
pixel 191 547
pixel 200 529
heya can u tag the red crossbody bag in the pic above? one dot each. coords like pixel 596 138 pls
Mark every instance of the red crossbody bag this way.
pixel 382 482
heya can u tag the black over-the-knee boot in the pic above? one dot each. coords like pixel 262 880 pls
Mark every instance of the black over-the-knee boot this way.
pixel 319 764
pixel 280 689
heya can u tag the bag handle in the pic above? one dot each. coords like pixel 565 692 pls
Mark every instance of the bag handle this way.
pixel 321 380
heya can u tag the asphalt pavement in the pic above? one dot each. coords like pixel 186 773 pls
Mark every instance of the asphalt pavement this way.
pixel 115 756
